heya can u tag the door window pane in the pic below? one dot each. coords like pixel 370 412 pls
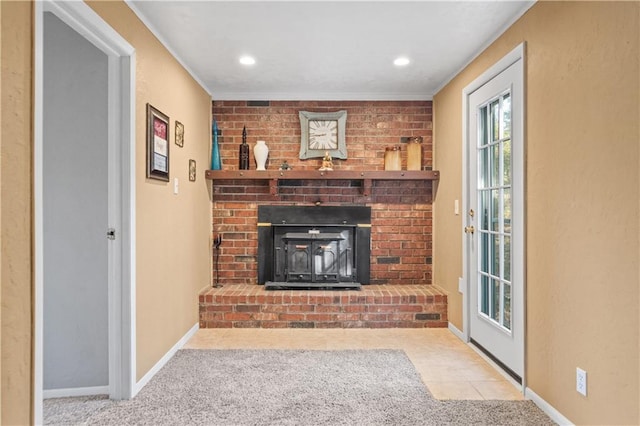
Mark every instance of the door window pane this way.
pixel 507 258
pixel 495 210
pixel 506 321
pixel 495 120
pixel 506 117
pixel 484 294
pixel 482 127
pixel 483 169
pixel 484 252
pixel 495 254
pixel 485 209
pixel 495 300
pixel 506 208
pixel 506 161
pixel 495 178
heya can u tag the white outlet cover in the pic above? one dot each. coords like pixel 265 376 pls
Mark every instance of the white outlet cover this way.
pixel 581 381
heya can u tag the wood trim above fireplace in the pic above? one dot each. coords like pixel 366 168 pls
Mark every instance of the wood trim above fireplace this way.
pixel 365 176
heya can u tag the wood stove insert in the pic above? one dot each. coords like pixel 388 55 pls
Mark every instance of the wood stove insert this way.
pixel 314 247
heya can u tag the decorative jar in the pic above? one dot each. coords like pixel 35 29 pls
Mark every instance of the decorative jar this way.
pixel 392 158
pixel 414 153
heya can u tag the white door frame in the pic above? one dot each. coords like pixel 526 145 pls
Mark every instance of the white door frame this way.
pixel 510 58
pixel 121 166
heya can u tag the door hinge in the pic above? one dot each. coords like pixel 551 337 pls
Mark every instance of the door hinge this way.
pixel 111 233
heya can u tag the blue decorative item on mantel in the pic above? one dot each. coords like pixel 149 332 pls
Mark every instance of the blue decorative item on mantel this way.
pixel 216 164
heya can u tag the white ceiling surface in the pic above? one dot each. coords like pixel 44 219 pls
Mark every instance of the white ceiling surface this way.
pixel 326 50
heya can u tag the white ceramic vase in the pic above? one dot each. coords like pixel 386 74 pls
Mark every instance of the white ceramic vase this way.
pixel 260 153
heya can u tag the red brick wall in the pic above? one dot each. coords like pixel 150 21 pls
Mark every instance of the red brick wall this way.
pixel 401 211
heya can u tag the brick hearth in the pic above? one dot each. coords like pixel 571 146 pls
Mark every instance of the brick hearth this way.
pixel 375 306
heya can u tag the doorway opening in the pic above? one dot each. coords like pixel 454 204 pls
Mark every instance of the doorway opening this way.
pixel 83 206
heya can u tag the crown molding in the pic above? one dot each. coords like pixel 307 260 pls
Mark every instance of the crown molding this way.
pixel 319 96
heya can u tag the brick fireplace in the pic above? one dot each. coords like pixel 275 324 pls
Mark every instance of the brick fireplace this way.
pixel 401 214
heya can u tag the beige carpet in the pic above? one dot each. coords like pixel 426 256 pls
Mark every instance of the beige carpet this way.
pixel 289 387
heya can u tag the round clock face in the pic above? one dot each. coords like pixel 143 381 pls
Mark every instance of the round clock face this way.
pixel 323 134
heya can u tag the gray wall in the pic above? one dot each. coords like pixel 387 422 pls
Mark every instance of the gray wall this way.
pixel 75 210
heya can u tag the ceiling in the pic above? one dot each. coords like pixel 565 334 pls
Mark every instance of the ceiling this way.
pixel 326 50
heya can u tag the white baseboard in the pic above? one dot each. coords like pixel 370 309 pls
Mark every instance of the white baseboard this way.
pixel 170 353
pixel 555 415
pixel 87 391
pixel 459 334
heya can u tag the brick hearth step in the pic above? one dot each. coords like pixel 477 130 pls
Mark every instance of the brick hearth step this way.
pixel 375 306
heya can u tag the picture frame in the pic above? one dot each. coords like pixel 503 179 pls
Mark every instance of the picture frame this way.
pixel 157 144
pixel 322 132
pixel 178 137
pixel 192 170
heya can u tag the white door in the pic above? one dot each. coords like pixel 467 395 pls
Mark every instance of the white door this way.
pixel 494 218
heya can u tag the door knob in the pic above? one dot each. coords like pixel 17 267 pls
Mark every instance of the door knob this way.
pixel 469 229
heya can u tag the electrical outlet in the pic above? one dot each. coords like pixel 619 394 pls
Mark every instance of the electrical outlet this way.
pixel 581 381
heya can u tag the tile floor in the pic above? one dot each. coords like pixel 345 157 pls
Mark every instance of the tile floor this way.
pixel 449 367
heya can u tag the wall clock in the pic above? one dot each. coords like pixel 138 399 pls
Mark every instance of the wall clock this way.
pixel 322 132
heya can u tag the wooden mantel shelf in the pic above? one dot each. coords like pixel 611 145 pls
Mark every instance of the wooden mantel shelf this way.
pixel 329 174
pixel 365 176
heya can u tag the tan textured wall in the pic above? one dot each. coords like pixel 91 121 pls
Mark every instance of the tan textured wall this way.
pixel 173 231
pixel 15 190
pixel 583 224
pixel 447 227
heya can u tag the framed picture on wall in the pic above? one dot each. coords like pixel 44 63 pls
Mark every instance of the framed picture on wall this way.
pixel 179 134
pixel 192 170
pixel 157 144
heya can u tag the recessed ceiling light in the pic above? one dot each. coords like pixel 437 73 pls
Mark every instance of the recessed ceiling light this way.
pixel 247 60
pixel 401 61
